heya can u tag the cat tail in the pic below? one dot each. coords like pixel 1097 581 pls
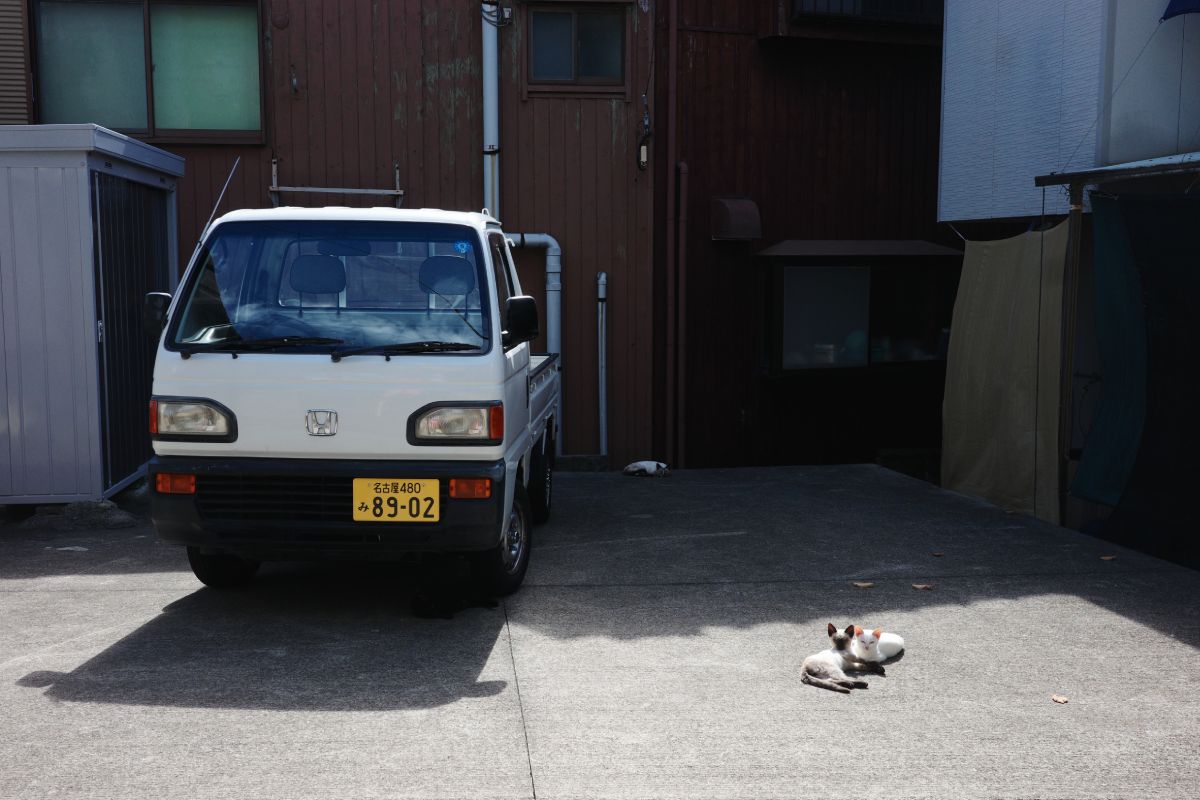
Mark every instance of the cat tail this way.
pixel 823 684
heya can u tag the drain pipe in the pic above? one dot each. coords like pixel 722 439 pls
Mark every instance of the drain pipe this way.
pixel 553 305
pixel 602 355
pixel 491 109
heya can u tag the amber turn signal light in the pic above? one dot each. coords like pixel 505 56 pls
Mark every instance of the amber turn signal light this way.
pixel 471 488
pixel 172 483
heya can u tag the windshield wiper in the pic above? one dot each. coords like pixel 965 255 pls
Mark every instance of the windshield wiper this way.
pixel 250 345
pixel 403 348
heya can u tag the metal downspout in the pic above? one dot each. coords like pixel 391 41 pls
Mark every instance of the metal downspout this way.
pixel 553 306
pixel 491 113
pixel 602 356
pixel 672 298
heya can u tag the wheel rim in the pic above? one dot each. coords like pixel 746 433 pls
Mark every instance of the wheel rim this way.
pixel 514 540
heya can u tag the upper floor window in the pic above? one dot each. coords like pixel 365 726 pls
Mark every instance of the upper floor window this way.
pixel 577 45
pixel 161 69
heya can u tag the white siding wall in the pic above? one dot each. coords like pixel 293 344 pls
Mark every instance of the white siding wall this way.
pixel 1038 86
pixel 1021 94
pixel 1156 111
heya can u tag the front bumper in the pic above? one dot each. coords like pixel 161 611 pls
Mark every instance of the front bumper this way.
pixel 275 508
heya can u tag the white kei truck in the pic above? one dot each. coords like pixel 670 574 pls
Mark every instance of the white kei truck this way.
pixel 350 383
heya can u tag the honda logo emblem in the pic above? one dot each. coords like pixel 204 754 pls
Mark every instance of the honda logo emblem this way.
pixel 321 422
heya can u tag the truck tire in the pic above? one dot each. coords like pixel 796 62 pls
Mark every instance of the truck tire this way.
pixel 221 570
pixel 501 570
pixel 541 481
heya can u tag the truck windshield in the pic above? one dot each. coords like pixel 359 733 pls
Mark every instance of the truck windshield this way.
pixel 313 285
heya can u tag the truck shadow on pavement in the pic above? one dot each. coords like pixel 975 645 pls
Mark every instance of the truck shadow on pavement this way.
pixel 336 639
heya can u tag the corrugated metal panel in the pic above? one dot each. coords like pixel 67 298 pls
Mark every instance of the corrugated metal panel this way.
pixel 1022 93
pixel 14 96
pixel 48 440
pixel 131 260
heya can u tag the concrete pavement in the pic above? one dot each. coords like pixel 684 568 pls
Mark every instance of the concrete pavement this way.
pixel 653 652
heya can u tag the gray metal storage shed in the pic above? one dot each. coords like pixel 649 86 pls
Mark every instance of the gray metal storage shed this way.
pixel 87 227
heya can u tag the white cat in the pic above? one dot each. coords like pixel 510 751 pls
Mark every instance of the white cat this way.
pixel 875 645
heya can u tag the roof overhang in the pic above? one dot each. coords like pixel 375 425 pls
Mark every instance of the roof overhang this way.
pixel 1149 168
pixel 857 249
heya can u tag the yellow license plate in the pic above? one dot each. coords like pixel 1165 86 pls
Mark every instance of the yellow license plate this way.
pixel 396 500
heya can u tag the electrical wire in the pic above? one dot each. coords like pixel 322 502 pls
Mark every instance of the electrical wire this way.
pixel 1108 102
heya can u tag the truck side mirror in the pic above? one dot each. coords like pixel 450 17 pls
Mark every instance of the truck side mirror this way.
pixel 154 312
pixel 520 320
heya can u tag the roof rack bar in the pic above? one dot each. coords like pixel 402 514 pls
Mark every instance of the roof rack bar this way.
pixel 275 189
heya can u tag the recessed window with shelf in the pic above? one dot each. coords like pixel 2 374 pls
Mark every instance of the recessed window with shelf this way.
pixel 859 304
pixel 159 69
pixel 577 48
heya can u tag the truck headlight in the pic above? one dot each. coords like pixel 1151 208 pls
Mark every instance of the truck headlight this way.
pixel 187 418
pixel 458 423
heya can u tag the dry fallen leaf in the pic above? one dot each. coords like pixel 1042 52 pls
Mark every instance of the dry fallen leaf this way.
pixel 922 587
pixel 937 555
pixel 1058 698
pixel 863 584
pixel 1107 558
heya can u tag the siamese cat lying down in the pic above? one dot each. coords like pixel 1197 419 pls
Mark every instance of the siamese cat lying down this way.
pixel 827 669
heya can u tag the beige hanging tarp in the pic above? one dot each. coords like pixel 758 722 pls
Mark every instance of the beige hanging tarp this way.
pixel 1000 413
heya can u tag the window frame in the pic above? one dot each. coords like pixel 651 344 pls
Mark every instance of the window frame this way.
pixel 577 86
pixel 153 134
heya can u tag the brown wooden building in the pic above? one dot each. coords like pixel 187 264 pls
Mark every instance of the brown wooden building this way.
pixel 823 113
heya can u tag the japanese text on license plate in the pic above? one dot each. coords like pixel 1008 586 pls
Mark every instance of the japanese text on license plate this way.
pixel 396 500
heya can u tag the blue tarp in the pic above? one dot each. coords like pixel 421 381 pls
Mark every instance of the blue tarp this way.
pixel 1147 280
pixel 1177 7
pixel 1116 432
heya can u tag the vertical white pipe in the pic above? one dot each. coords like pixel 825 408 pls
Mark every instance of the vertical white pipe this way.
pixel 602 355
pixel 553 304
pixel 491 113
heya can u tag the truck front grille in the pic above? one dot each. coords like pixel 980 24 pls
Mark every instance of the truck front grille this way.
pixel 273 498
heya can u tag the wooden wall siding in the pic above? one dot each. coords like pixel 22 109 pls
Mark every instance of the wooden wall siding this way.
pixel 400 81
pixel 375 83
pixel 833 141
pixel 569 168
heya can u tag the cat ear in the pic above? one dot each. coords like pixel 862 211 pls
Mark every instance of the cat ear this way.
pixel 832 630
pixel 857 631
pixel 877 632
pixel 849 630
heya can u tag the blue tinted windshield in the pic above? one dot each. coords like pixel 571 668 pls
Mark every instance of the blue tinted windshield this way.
pixel 360 283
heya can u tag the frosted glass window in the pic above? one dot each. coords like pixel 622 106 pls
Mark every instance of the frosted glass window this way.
pixel 600 46
pixel 205 67
pixel 91 64
pixel 552 47
pixel 825 316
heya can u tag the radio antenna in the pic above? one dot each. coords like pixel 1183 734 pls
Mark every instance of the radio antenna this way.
pixel 220 197
pixel 216 207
